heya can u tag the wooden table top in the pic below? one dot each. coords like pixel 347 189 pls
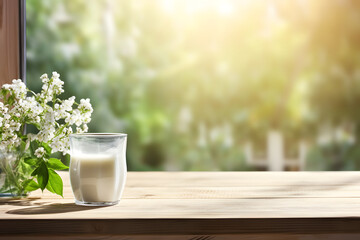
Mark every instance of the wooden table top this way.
pixel 199 203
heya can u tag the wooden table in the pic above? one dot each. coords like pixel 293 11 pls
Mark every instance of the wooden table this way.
pixel 199 206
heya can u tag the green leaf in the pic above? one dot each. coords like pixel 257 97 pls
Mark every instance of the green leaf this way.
pixel 30 185
pixel 24 168
pixel 56 164
pixel 34 173
pixel 9 190
pixel 46 147
pixel 5 186
pixel 55 184
pixel 42 175
pixel 22 146
pixel 11 100
pixel 38 126
pixel 33 147
pixel 31 161
pixel 4 92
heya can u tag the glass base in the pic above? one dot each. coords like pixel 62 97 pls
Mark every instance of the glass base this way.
pixel 12 196
pixel 96 204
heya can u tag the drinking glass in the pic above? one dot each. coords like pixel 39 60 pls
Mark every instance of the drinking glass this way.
pixel 98 168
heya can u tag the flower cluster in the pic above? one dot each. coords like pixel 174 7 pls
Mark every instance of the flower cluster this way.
pixel 52 117
pixel 54 120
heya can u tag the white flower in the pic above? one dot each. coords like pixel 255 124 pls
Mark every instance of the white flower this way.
pixel 60 143
pixel 55 75
pixel 82 129
pixel 67 104
pixel 62 111
pixel 68 131
pixel 85 128
pixel 57 85
pixel 51 87
pixel 32 136
pixel 45 117
pixel 49 117
pixel 85 105
pixel 44 76
pixel 18 88
pixel 39 152
pixel 78 118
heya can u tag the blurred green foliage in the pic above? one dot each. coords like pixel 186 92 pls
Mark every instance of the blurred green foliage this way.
pixel 190 81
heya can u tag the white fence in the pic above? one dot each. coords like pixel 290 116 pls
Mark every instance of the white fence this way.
pixel 275 159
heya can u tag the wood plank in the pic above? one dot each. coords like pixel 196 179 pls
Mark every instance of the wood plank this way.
pixel 211 185
pixel 200 237
pixel 226 192
pixel 193 199
pixel 9 41
pixel 185 209
pixel 118 227
pixel 240 192
pixel 228 179
pixel 250 179
pixel 292 204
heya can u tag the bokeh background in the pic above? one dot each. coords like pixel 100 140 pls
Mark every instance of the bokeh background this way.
pixel 210 84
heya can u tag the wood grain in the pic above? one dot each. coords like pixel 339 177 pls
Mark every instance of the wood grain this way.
pixel 202 237
pixel 199 205
pixel 9 41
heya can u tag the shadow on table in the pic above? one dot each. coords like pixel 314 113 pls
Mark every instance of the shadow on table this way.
pixel 21 201
pixel 51 209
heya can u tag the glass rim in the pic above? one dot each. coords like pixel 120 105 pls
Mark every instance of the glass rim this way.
pixel 97 135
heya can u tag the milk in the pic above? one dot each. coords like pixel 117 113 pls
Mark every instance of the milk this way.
pixel 97 177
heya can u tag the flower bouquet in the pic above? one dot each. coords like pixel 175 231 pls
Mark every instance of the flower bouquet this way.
pixel 27 160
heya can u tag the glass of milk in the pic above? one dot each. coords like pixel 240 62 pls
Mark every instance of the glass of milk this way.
pixel 98 168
